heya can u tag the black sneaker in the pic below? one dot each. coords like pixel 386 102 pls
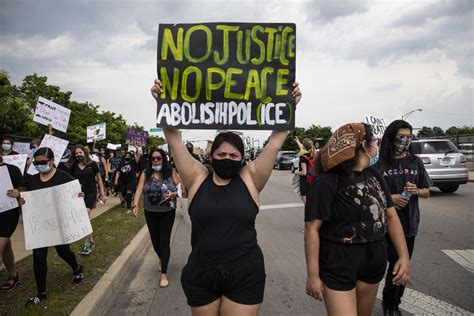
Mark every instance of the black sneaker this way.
pixel 391 311
pixel 11 283
pixel 36 300
pixel 78 275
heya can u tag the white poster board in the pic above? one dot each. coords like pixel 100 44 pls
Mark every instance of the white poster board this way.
pixel 113 146
pixel 95 132
pixel 378 125
pixel 47 112
pixel 6 202
pixel 17 160
pixel 58 146
pixel 55 216
pixel 22 148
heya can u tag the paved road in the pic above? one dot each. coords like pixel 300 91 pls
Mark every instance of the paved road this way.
pixel 446 224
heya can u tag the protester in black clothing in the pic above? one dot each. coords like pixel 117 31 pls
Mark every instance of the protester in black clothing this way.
pixel 190 148
pixel 126 178
pixel 304 167
pixel 87 172
pixel 159 183
pixel 225 273
pixel 7 147
pixel 47 177
pixel 8 223
pixel 347 213
pixel 407 181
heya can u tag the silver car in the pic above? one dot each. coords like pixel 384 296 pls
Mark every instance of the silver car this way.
pixel 445 164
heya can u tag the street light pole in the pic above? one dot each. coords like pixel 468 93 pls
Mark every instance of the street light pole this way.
pixel 406 115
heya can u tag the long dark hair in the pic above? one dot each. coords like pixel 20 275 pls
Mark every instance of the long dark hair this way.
pixel 387 153
pixel 345 169
pixel 72 162
pixel 166 170
pixel 45 151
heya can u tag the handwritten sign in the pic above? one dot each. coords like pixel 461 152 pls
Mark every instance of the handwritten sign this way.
pixel 113 146
pixel 22 148
pixel 226 75
pixel 95 132
pixel 55 216
pixel 58 146
pixel 378 125
pixel 17 160
pixel 6 202
pixel 47 112
pixel 137 138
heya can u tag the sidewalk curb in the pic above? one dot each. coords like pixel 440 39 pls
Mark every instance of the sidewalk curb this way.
pixel 105 290
pixel 103 294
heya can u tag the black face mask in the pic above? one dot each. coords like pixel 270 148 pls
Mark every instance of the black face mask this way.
pixel 127 159
pixel 226 168
pixel 79 158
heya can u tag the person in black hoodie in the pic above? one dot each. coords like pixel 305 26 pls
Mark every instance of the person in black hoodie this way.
pixel 407 181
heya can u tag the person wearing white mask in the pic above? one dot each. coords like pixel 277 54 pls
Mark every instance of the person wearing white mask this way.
pixel 159 183
pixel 7 147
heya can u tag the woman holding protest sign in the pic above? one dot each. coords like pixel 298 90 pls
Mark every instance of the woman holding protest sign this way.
pixel 159 183
pixel 87 172
pixel 8 223
pixel 49 176
pixel 407 181
pixel 347 213
pixel 225 272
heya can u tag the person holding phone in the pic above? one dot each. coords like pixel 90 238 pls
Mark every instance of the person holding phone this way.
pixel 159 183
pixel 407 181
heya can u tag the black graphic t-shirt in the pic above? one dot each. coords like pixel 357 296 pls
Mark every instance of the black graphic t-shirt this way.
pixel 408 169
pixel 128 171
pixel 352 210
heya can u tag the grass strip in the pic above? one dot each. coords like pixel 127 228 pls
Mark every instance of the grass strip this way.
pixel 113 231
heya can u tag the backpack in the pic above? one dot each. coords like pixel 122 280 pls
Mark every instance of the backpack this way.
pixel 311 171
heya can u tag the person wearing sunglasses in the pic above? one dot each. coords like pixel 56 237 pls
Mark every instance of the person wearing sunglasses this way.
pixel 8 223
pixel 159 183
pixel 407 181
pixel 347 213
pixel 7 147
pixel 49 176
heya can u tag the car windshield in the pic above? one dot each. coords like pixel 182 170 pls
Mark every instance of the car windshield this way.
pixel 433 147
pixel 289 155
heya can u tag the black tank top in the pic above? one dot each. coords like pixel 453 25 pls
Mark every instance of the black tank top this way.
pixel 223 221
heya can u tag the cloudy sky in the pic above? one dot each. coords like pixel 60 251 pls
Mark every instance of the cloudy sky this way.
pixel 354 58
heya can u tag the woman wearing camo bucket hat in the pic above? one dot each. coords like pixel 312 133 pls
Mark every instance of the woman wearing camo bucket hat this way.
pixel 348 211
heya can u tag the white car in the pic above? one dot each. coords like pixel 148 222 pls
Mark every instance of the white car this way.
pixel 295 164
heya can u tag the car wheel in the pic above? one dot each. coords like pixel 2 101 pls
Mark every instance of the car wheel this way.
pixel 449 188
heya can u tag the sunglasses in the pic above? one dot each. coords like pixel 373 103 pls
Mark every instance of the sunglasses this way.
pixel 156 158
pixel 40 163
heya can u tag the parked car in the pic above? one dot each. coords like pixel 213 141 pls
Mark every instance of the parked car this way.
pixel 467 149
pixel 284 158
pixel 445 164
pixel 295 164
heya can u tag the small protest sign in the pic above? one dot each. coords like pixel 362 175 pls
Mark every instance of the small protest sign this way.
pixel 58 146
pixel 137 138
pixel 17 160
pixel 378 125
pixel 226 75
pixel 96 132
pixel 113 146
pixel 47 112
pixel 55 216
pixel 22 148
pixel 6 202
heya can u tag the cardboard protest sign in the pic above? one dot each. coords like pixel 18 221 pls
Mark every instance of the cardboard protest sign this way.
pixel 226 75
pixel 22 148
pixel 58 146
pixel 96 132
pixel 137 138
pixel 17 160
pixel 55 216
pixel 6 202
pixel 113 146
pixel 378 125
pixel 47 112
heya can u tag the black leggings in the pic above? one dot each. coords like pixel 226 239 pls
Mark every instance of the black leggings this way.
pixel 160 226
pixel 40 265
pixel 392 294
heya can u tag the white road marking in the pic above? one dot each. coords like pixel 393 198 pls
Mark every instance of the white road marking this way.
pixel 465 258
pixel 418 303
pixel 275 206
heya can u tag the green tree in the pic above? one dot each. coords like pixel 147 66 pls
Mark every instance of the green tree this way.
pixel 425 132
pixel 153 142
pixel 438 131
pixel 453 130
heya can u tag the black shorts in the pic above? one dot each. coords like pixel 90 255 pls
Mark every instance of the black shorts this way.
pixel 342 265
pixel 90 198
pixel 241 281
pixel 130 185
pixel 9 222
